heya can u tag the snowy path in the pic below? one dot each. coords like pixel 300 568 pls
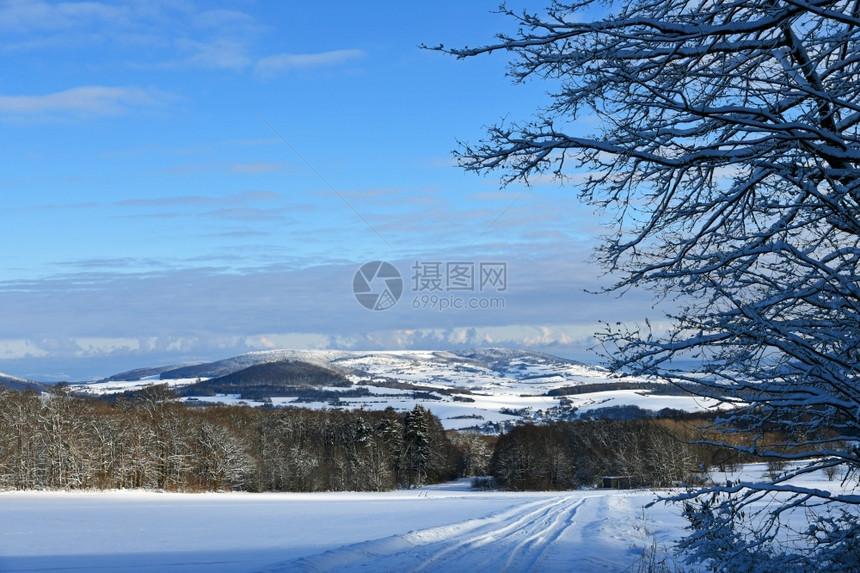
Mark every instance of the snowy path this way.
pixel 591 533
pixel 439 528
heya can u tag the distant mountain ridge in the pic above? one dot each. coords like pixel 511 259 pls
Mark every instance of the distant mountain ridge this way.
pixel 487 389
pixel 141 373
pixel 219 368
pixel 15 383
pixel 269 379
pixel 350 362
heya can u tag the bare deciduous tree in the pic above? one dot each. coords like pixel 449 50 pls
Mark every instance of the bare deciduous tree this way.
pixel 724 150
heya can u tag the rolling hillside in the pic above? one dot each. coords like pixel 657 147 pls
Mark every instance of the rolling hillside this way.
pixel 486 390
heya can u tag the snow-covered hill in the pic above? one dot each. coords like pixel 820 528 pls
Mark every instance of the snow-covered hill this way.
pixel 16 383
pixel 484 389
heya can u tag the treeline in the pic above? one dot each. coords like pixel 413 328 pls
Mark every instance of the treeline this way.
pixel 60 441
pixel 150 440
pixel 654 388
pixel 607 453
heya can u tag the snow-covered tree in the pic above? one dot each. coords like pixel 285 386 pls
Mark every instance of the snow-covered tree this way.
pixel 720 139
pixel 417 441
pixel 472 451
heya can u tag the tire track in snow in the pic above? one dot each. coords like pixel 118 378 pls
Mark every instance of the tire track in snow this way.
pixel 512 540
pixel 500 548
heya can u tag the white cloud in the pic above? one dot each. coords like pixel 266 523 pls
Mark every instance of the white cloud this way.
pixel 26 15
pixel 175 35
pixel 222 19
pixel 95 315
pixel 81 102
pixel 300 341
pixel 18 348
pixel 279 63
pixel 100 346
pixel 259 167
pixel 215 54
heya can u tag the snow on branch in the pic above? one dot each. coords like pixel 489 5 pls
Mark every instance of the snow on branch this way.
pixel 721 143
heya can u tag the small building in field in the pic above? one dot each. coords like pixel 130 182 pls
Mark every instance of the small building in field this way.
pixel 619 482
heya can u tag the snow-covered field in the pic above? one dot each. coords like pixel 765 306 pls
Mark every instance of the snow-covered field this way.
pixel 438 528
pixel 453 412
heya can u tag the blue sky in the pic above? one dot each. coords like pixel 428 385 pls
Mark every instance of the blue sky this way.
pixel 191 180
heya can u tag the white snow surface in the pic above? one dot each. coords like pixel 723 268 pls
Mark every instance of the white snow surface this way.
pixel 440 528
pixel 12 378
pixel 447 527
pixel 119 386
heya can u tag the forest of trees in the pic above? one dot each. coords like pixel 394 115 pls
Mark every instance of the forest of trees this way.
pixel 150 440
pixel 60 441
pixel 608 453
